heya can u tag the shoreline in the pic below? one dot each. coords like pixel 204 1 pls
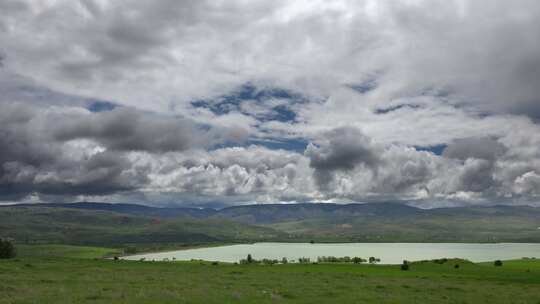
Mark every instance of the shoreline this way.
pixel 380 250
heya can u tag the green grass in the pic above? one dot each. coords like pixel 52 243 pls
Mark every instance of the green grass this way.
pixel 66 251
pixel 48 278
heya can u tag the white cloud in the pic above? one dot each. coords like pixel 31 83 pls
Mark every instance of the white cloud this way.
pixel 376 78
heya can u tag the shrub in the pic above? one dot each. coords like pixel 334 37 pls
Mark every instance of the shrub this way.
pixel 303 260
pixel 456 266
pixel 7 249
pixel 498 263
pixel 440 261
pixel 373 260
pixel 284 260
pixel 405 265
pixel 249 259
pixel 358 260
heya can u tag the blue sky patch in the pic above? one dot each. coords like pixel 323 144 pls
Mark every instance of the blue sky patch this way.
pixel 395 108
pixel 101 106
pixel 249 93
pixel 364 87
pixel 294 144
pixel 436 149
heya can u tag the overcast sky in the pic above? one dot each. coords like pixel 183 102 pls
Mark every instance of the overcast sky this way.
pixel 216 103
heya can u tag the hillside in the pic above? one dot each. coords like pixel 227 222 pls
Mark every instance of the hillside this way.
pixel 35 224
pixel 87 223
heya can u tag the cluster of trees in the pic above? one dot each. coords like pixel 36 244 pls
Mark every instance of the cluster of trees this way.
pixel 304 260
pixel 250 260
pixel 345 259
pixel 7 249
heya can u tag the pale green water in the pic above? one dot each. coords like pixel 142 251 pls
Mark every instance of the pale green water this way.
pixel 389 253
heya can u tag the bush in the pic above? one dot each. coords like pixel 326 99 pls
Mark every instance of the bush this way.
pixel 498 263
pixel 303 260
pixel 373 260
pixel 358 260
pixel 440 261
pixel 405 265
pixel 269 262
pixel 7 249
pixel 345 259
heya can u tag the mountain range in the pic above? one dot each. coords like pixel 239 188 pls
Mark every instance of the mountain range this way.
pixel 108 223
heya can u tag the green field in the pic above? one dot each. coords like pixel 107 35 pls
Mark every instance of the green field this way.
pixel 67 274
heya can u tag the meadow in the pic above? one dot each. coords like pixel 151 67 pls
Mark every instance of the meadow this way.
pixel 71 274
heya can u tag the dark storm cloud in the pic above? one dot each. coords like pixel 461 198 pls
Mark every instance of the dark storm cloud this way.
pixel 477 175
pixel 126 129
pixel 479 156
pixel 41 149
pixel 341 149
pixel 480 148
pixel 32 161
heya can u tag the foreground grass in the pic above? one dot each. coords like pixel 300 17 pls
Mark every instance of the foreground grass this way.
pixel 48 278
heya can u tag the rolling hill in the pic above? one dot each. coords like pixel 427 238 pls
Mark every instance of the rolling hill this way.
pixel 36 224
pixel 103 223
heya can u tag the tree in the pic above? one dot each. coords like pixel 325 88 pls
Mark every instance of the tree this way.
pixel 358 260
pixel 373 260
pixel 7 249
pixel 284 260
pixel 249 259
pixel 498 263
pixel 405 265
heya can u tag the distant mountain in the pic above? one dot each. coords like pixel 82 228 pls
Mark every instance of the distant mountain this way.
pixel 276 213
pixel 133 209
pixel 81 225
pixel 372 222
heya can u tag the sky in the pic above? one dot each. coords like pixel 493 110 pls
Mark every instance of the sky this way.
pixel 218 103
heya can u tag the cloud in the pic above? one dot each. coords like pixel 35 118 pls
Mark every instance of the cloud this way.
pixel 480 148
pixel 130 130
pixel 341 149
pixel 214 102
pixel 154 55
pixel 73 151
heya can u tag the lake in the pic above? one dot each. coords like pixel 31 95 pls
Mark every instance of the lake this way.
pixel 389 253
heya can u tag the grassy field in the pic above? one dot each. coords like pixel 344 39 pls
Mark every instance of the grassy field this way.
pixel 67 274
